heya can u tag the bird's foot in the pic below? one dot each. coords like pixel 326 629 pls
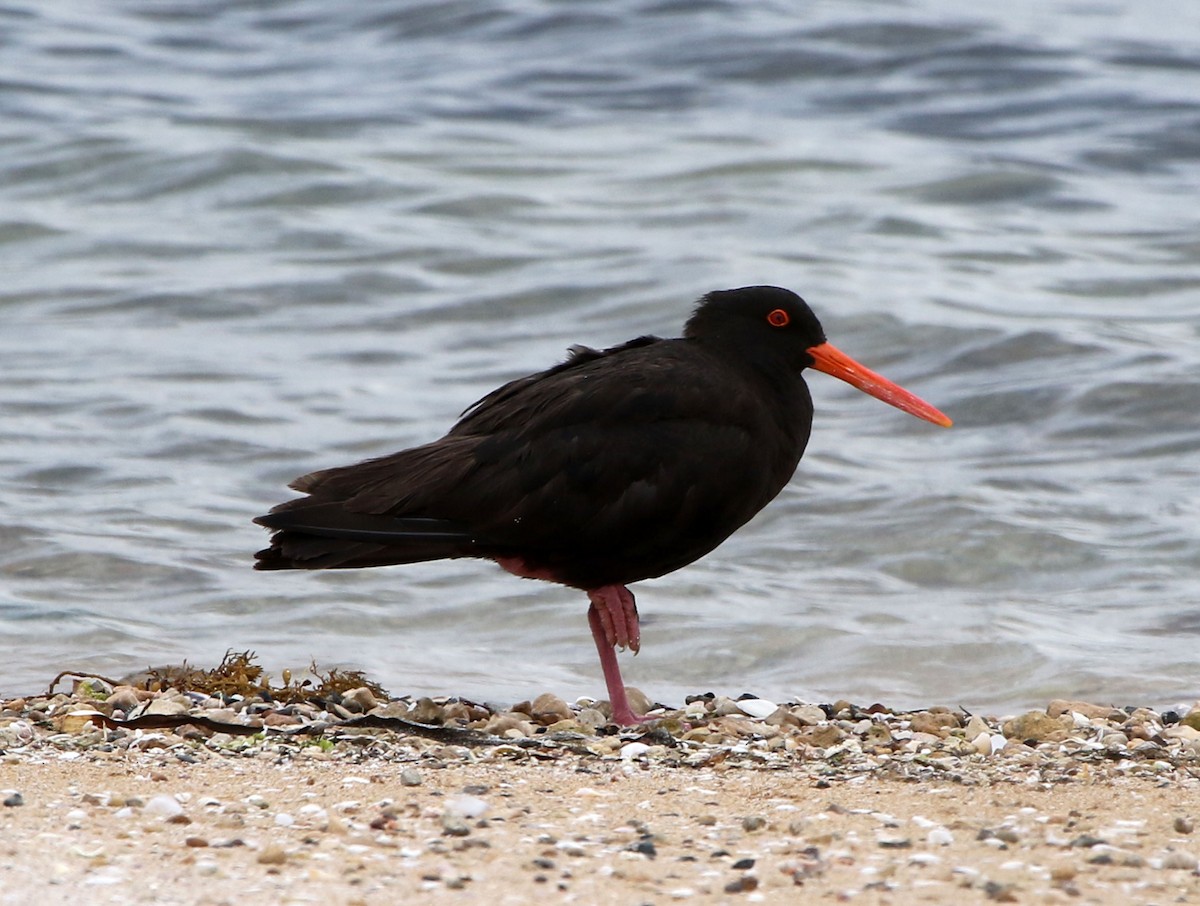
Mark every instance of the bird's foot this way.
pixel 617 611
pixel 627 717
pixel 607 636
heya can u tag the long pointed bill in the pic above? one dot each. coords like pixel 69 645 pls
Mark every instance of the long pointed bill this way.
pixel 831 360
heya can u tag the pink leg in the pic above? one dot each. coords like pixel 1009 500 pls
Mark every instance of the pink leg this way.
pixel 622 712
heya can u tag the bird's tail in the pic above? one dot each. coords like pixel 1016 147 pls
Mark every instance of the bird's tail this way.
pixel 314 535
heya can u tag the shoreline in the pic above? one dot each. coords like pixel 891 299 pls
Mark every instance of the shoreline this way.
pixel 721 801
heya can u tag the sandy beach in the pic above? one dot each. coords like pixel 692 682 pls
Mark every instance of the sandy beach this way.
pixel 710 804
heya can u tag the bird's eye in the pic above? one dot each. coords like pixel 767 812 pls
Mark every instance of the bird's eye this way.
pixel 778 318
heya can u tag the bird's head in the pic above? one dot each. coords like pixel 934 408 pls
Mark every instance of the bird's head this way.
pixel 773 327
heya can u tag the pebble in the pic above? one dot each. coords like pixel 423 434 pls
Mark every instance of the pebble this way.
pixel 272 855
pixel 1033 725
pixel 14 799
pixel 466 806
pixel 163 806
pixel 1179 861
pixel 744 884
pixel 168 707
pixel 808 715
pixel 1087 710
pixel 548 709
pixel 123 698
pixel 939 836
pixel 633 750
pixel 410 777
pixel 935 724
pixel 757 707
pixel 976 726
pixel 1181 825
pixel 361 699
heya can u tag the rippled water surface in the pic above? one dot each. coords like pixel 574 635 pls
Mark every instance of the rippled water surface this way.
pixel 242 241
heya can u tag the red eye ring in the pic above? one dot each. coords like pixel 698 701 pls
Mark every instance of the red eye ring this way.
pixel 779 318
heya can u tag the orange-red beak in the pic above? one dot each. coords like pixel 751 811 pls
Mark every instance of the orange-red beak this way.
pixel 831 360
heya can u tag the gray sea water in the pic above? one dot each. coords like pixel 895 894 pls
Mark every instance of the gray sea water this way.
pixel 242 241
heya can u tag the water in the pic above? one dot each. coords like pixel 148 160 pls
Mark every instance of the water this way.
pixel 239 242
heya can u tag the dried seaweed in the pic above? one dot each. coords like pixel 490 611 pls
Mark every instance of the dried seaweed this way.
pixel 239 675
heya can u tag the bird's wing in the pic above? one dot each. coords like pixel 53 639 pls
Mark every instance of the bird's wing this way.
pixel 630 438
pixel 613 452
pixel 510 400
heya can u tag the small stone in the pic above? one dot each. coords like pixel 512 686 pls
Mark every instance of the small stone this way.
pixel 272 855
pixel 75 721
pixel 878 735
pixel 1061 706
pixel 1063 872
pixel 744 884
pixel 547 709
pixel 279 719
pixel 939 836
pixel 757 707
pixel 975 726
pixel 123 698
pixel 1182 824
pixel 723 706
pixel 1181 731
pixel 826 736
pixel 1191 720
pixel 14 799
pixel 504 724
pixel 895 843
pixel 1033 725
pixel 361 699
pixel 163 806
pixel 1179 861
pixel 644 846
pixel 195 842
pixel 808 715
pixel 743 864
pixel 639 701
pixel 425 711
pixel 1001 893
pixel 166 707
pixel 466 806
pixel 752 823
pixel 633 750
pixel 591 718
pixel 938 724
pixel 410 777
pixel 454 826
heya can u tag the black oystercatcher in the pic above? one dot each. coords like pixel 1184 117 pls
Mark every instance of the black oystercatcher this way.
pixel 615 466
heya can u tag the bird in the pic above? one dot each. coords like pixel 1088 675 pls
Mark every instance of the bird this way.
pixel 614 466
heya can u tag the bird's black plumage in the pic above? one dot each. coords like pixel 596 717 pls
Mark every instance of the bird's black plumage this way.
pixel 614 466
